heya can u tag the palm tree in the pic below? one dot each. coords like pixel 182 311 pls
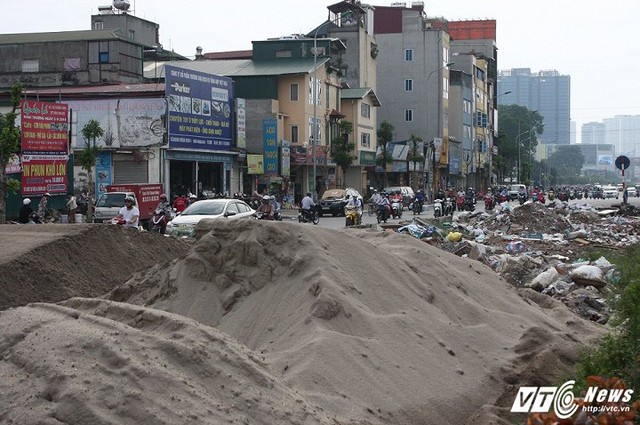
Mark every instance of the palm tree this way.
pixel 87 157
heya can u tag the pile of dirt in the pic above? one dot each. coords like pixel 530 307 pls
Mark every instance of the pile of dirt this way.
pixel 537 218
pixel 373 327
pixel 49 263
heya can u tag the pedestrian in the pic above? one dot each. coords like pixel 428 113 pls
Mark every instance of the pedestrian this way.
pixel 72 207
pixel 42 206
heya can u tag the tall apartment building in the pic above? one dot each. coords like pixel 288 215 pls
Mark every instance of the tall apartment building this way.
pixel 623 131
pixel 593 133
pixel 547 92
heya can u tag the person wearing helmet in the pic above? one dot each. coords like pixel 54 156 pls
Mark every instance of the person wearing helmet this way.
pixel 192 198
pixel 265 208
pixel 165 207
pixel 129 213
pixel 26 212
pixel 306 205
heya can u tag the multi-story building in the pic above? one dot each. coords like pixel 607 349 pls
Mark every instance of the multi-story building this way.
pixel 593 133
pixel 413 83
pixel 547 92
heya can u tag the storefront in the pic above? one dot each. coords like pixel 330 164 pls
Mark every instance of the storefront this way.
pixel 200 173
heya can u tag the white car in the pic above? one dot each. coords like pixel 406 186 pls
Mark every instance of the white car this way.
pixel 184 224
pixel 610 192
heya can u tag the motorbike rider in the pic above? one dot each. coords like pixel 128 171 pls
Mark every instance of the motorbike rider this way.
pixel 306 205
pixel 384 205
pixel 165 206
pixel 26 212
pixel 440 194
pixel 180 202
pixel 419 200
pixel 129 213
pixel 265 208
pixel 354 202
pixel 522 192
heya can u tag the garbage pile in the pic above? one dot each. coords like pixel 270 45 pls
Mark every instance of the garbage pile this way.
pixel 541 247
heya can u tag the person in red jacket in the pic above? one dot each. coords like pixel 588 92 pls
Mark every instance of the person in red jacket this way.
pixel 180 203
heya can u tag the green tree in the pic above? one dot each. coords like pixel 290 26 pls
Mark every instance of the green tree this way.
pixel 384 137
pixel 87 157
pixel 9 145
pixel 518 126
pixel 342 148
pixel 567 161
pixel 415 155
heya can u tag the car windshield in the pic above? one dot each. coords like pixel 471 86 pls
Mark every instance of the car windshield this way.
pixel 333 194
pixel 205 208
pixel 110 200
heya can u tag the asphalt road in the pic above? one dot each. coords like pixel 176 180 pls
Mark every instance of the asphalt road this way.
pixel 339 222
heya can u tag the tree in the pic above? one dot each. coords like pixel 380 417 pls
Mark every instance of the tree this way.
pixel 384 137
pixel 567 162
pixel 342 149
pixel 87 157
pixel 518 126
pixel 9 145
pixel 415 155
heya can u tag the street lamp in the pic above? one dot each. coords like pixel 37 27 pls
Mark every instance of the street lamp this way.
pixel 432 143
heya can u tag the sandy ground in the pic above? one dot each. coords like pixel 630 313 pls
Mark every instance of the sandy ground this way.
pixel 275 323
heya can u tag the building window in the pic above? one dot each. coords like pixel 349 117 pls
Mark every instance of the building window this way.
pixel 314 95
pixel 132 35
pixel 283 53
pixel 365 110
pixel 295 138
pixel 365 140
pixel 408 55
pixel 408 85
pixel 445 88
pixel 104 57
pixel 72 64
pixel 98 25
pixel 318 131
pixel 294 92
pixel 30 65
pixel 408 115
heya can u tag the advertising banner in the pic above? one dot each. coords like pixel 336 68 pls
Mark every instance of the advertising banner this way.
pixel 103 172
pixel 255 164
pixel 126 122
pixel 241 124
pixel 44 128
pixel 285 160
pixel 43 175
pixel 270 146
pixel 605 159
pixel 200 109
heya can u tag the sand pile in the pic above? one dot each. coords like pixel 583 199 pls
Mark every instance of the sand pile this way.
pixel 376 328
pixel 95 362
pixel 50 263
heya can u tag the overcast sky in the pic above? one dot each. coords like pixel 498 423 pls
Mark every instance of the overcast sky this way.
pixel 594 42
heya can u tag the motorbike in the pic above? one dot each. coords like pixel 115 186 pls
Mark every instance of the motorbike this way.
pixel 310 216
pixel 437 208
pixel 259 215
pixel 522 197
pixel 417 207
pixel 382 213
pixel 469 203
pixel 489 202
pixel 118 221
pixel 396 208
pixel 447 207
pixel 551 195
pixel 158 221
pixel 352 218
pixel 540 197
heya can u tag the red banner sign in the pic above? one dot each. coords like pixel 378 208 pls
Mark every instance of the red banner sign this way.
pixel 44 175
pixel 45 128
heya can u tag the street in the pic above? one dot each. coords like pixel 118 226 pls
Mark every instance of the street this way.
pixel 339 222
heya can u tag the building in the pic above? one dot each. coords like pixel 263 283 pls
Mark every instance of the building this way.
pixel 593 133
pixel 547 92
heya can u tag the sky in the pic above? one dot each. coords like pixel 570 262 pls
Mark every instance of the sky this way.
pixel 593 42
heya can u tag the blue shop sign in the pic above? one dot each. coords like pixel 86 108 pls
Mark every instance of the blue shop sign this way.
pixel 200 109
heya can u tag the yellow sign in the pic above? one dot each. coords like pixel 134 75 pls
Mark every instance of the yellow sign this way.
pixel 255 164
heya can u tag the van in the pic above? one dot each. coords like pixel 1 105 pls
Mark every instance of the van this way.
pixel 515 189
pixel 405 191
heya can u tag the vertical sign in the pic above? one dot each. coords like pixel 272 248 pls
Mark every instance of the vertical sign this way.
pixel 44 147
pixel 241 125
pixel 103 172
pixel 270 146
pixel 285 160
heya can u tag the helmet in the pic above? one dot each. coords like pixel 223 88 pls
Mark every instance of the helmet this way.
pixel 192 196
pixel 26 201
pixel 129 199
pixel 375 190
pixel 47 194
pixel 266 198
pixel 163 196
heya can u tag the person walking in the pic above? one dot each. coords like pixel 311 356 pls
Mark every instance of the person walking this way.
pixel 72 207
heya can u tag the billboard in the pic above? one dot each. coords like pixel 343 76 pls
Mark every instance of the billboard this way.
pixel 127 123
pixel 200 109
pixel 270 146
pixel 255 164
pixel 44 128
pixel 40 175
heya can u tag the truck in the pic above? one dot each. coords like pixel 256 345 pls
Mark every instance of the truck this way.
pixel 146 197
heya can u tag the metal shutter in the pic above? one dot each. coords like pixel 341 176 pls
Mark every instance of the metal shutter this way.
pixel 130 172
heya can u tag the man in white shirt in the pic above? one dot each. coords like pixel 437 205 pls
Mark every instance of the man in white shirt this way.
pixel 307 204
pixel 129 213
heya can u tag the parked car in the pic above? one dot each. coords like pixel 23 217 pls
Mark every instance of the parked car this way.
pixel 405 191
pixel 333 201
pixel 610 192
pixel 184 224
